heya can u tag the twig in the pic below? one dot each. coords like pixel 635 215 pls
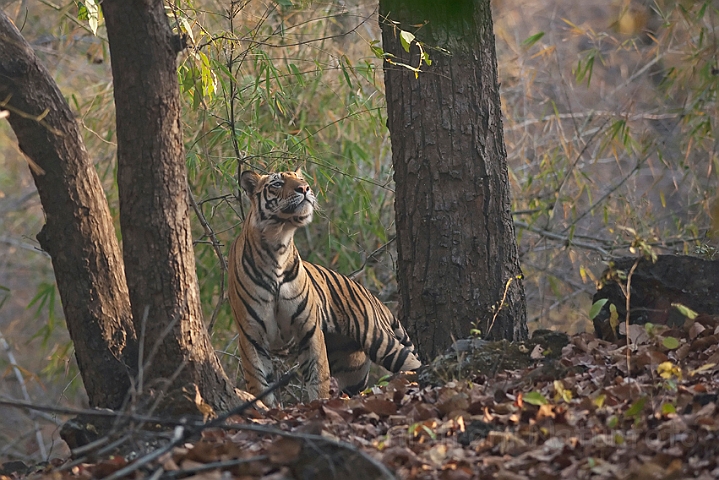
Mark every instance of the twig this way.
pixel 91 447
pixel 216 245
pixel 36 118
pixel 214 465
pixel 87 412
pixel 562 238
pixel 182 433
pixel 599 113
pixel 286 378
pixel 627 296
pixel 178 437
pixel 378 251
pixel 183 429
pixel 18 203
pixel 501 303
pixel 21 380
pixel 161 338
pixel 559 302
pixel 282 382
pixel 607 193
pixel 637 74
pixel 44 415
pixel 26 246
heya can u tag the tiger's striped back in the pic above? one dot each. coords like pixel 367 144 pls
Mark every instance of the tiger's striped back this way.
pixel 333 323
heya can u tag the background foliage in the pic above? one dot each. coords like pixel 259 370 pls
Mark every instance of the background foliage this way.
pixel 610 124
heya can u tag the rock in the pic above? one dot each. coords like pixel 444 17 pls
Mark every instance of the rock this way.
pixel 655 286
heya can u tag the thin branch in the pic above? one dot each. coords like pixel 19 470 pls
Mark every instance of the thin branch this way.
pixel 184 430
pixel 628 295
pixel 11 205
pixel 23 387
pixel 177 438
pixel 27 246
pixel 608 193
pixel 217 247
pixel 556 304
pixel 183 433
pixel 266 43
pixel 501 302
pixel 377 252
pixel 568 242
pixel 599 113
pixel 214 465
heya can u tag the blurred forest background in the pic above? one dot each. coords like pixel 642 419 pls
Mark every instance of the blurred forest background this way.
pixel 610 112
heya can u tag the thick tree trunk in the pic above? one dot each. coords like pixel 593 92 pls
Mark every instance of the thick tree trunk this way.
pixel 78 233
pixel 456 244
pixel 157 241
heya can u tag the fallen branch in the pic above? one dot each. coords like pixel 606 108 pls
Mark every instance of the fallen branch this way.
pixel 347 469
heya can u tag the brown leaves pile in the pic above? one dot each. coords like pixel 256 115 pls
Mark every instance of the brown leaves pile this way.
pixel 589 413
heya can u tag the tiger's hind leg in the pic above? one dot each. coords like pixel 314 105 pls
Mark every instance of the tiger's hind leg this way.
pixel 348 363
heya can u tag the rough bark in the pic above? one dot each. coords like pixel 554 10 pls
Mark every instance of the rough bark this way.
pixel 78 233
pixel 456 245
pixel 157 241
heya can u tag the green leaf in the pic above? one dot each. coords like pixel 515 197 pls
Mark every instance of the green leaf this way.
pixel 284 3
pixel 376 49
pixel 535 398
pixel 636 407
pixel 597 307
pixel 686 311
pixel 425 58
pixel 668 408
pixel 415 428
pixel 531 40
pixel 297 74
pixel 81 11
pixel 671 343
pixel 406 38
pixel 344 65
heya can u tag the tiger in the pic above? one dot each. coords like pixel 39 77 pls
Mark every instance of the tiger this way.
pixel 280 303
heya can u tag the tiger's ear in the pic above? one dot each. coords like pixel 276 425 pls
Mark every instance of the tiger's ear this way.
pixel 249 181
pixel 298 172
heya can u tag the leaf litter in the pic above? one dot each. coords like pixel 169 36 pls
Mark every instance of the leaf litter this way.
pixel 583 410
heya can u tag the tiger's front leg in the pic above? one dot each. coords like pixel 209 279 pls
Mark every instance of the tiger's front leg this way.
pixel 313 361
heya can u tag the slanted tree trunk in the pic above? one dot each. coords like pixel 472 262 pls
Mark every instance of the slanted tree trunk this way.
pixel 78 233
pixel 152 181
pixel 455 238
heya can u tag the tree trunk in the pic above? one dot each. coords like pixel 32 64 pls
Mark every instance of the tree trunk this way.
pixel 78 233
pixel 457 251
pixel 152 181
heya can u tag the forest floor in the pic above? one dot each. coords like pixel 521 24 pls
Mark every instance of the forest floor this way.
pixel 588 409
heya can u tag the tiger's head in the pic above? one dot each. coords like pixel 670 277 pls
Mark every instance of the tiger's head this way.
pixel 283 198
